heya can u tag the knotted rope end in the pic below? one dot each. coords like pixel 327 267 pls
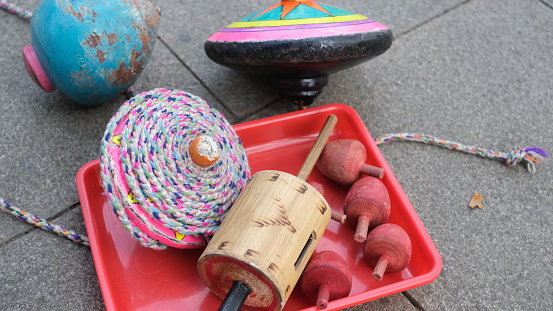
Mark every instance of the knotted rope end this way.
pixel 529 155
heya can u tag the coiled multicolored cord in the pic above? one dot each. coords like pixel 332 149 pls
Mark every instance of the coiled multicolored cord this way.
pixel 160 194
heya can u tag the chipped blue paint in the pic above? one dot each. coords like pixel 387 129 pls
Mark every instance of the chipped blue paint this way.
pixel 92 50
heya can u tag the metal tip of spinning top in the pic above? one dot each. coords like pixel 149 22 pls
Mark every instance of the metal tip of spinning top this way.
pixel 35 70
pixel 301 91
pixel 204 151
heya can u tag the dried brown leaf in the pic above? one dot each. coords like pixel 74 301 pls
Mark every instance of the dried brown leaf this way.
pixel 476 201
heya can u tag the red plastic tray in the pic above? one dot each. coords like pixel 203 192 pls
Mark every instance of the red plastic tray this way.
pixel 133 277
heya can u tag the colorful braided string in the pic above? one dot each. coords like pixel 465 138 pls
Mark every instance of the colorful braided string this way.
pixel 528 155
pixel 518 154
pixel 43 224
pixel 158 193
pixel 16 10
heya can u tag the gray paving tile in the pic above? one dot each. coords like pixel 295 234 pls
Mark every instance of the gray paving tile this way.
pixel 464 68
pixel 399 16
pixel 165 71
pixel 46 138
pixel 185 33
pixel 43 144
pixel 14 28
pixel 470 76
pixel 392 302
pixel 493 259
pixel 34 173
pixel 42 271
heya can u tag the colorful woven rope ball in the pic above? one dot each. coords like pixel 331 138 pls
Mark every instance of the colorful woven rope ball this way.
pixel 171 166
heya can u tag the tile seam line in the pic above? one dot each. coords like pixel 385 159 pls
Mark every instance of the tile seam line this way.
pixel 17 237
pixel 546 4
pixel 254 112
pixel 64 211
pixel 413 301
pixel 417 26
pixel 202 83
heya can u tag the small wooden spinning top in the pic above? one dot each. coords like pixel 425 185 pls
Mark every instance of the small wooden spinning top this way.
pixel 326 277
pixel 388 249
pixel 299 43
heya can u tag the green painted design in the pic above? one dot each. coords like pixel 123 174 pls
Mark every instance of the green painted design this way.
pixel 272 15
pixel 300 11
pixel 335 11
pixel 303 11
pixel 247 18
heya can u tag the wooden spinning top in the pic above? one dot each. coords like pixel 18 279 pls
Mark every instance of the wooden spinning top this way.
pixel 90 50
pixel 367 205
pixel 343 161
pixel 171 167
pixel 388 249
pixel 326 277
pixel 299 43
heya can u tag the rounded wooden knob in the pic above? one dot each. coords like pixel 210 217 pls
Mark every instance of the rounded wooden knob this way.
pixel 388 249
pixel 367 205
pixel 326 277
pixel 204 151
pixel 35 70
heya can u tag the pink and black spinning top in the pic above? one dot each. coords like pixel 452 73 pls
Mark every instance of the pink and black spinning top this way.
pixel 298 43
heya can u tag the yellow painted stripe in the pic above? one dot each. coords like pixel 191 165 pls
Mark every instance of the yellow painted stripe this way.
pixel 304 21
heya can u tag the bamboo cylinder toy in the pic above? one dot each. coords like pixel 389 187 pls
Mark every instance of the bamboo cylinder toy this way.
pixel 268 235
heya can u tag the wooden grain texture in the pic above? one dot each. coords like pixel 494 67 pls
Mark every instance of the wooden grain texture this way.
pixel 266 239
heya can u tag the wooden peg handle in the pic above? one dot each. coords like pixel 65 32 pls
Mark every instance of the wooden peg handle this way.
pixel 317 148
